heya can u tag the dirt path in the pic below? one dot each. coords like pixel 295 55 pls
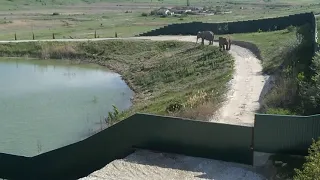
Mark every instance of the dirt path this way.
pixel 242 101
pixel 245 87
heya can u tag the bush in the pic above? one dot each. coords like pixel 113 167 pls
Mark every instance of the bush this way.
pixel 55 14
pixel 153 12
pixel 144 14
pixel 310 90
pixel 295 89
pixel 279 111
pixel 311 168
pixel 291 28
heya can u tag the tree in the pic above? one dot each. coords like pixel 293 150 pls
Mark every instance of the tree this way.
pixel 311 168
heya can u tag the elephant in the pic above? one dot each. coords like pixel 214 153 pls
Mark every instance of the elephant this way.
pixel 205 35
pixel 225 41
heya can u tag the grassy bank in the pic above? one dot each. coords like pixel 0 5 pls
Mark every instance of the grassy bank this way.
pixel 270 44
pixel 168 77
pixel 286 55
pixel 287 58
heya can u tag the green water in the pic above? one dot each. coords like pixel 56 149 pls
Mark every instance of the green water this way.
pixel 45 105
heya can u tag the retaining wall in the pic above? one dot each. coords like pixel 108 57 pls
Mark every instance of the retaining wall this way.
pixel 249 26
pixel 285 134
pixel 271 133
pixel 167 134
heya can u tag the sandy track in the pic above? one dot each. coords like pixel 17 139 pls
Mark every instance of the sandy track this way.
pixel 245 87
pixel 146 165
pixel 242 101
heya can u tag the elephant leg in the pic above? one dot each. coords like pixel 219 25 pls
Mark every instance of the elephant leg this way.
pixel 202 41
pixel 224 47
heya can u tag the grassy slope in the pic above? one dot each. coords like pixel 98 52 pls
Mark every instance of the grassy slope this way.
pixel 288 60
pixel 270 45
pixel 276 100
pixel 161 73
pixel 276 50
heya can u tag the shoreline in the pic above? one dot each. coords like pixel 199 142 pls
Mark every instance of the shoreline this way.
pixel 138 73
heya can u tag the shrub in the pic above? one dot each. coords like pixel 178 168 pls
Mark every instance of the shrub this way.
pixel 295 88
pixel 311 168
pixel 144 14
pixel 184 15
pixel 279 111
pixel 291 28
pixel 310 90
pixel 153 12
pixel 55 14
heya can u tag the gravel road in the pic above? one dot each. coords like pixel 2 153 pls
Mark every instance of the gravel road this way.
pixel 242 101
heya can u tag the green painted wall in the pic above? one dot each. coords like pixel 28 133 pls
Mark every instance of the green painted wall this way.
pixel 249 26
pixel 285 134
pixel 194 138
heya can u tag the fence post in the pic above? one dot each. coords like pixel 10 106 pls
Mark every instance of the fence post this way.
pixel 115 34
pixel 53 36
pixel 33 36
pixel 15 36
pixel 95 34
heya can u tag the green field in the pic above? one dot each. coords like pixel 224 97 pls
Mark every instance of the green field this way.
pixel 80 19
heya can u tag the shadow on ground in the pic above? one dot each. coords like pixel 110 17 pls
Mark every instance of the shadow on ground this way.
pixel 204 168
pixel 277 166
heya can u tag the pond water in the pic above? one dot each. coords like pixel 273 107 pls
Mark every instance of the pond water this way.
pixel 45 105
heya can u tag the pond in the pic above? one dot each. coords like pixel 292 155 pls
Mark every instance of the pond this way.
pixel 47 104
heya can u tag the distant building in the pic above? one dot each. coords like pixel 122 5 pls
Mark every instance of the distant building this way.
pixel 164 12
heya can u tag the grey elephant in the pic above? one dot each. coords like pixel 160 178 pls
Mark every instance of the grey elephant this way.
pixel 225 41
pixel 205 35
